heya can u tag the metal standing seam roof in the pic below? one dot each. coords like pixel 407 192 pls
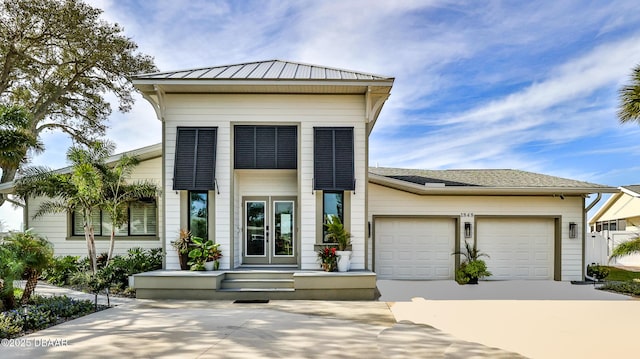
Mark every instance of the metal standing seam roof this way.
pixel 264 70
pixel 496 178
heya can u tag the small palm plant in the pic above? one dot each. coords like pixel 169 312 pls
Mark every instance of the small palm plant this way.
pixel 35 252
pixel 336 233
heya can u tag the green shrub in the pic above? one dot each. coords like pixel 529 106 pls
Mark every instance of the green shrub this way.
pixel 597 272
pixel 10 324
pixel 630 288
pixel 137 260
pixel 62 270
pixel 40 313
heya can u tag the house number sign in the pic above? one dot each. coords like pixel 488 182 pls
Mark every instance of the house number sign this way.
pixel 466 214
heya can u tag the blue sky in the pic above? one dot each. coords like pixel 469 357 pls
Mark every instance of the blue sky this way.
pixel 529 85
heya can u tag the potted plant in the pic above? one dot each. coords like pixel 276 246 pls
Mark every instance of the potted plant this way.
pixel 336 233
pixel 182 245
pixel 204 252
pixel 472 268
pixel 328 258
pixel 214 255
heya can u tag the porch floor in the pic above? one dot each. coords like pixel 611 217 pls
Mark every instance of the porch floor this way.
pixel 256 283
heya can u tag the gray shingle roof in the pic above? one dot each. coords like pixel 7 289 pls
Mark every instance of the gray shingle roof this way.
pixel 633 188
pixel 265 70
pixel 496 178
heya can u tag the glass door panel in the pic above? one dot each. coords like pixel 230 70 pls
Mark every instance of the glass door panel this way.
pixel 283 228
pixel 256 232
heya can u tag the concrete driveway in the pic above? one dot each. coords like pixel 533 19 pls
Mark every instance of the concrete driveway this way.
pixel 536 319
pixel 405 290
pixel 568 323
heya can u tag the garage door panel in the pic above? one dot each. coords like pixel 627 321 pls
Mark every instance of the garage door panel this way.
pixel 414 248
pixel 519 248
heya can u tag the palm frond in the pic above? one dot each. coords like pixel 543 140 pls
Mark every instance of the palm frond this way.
pixel 52 207
pixel 626 248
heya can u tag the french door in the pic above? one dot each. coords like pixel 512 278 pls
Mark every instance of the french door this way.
pixel 269 234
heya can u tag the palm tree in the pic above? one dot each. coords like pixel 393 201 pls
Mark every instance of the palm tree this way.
pixel 118 194
pixel 35 253
pixel 629 109
pixel 81 190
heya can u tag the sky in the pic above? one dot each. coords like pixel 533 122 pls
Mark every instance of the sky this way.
pixel 529 85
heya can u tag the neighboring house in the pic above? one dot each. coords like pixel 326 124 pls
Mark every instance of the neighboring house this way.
pixel 65 231
pixel 256 156
pixel 617 221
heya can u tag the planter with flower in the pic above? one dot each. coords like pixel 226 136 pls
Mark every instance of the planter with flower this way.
pixel 328 259
pixel 472 268
pixel 336 233
pixel 204 255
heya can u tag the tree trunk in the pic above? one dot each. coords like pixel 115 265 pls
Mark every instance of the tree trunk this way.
pixel 112 241
pixel 91 248
pixel 30 287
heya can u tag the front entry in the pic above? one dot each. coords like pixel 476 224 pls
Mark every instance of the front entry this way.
pixel 269 231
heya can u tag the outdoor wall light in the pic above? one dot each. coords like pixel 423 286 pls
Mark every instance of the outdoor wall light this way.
pixel 573 230
pixel 467 229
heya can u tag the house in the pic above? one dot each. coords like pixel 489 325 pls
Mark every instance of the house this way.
pixel 256 156
pixel 617 221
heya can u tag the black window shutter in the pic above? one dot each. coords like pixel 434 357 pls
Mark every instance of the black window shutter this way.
pixel 287 147
pixel 195 160
pixel 344 175
pixel 245 147
pixel 333 158
pixel 265 147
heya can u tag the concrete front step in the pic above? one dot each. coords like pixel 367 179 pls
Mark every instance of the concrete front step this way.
pixel 257 283
pixel 241 290
pixel 258 274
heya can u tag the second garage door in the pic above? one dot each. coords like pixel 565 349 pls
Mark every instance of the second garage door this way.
pixel 519 248
pixel 414 248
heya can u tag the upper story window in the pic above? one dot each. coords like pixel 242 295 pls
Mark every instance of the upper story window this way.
pixel 265 147
pixel 333 159
pixel 142 222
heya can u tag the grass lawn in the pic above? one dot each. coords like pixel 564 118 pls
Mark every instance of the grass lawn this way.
pixel 621 275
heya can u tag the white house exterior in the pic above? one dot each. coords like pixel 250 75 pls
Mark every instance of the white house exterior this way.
pixel 530 225
pixel 289 145
pixel 255 156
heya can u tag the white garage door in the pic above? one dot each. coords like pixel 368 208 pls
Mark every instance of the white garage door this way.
pixel 519 248
pixel 414 248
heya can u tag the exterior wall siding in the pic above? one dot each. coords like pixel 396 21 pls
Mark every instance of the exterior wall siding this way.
pixel 386 201
pixel 306 111
pixel 55 226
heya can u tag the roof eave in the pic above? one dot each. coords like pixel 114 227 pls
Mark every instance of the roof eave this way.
pixel 197 85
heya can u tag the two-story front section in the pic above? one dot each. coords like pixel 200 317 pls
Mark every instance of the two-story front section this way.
pixel 257 156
